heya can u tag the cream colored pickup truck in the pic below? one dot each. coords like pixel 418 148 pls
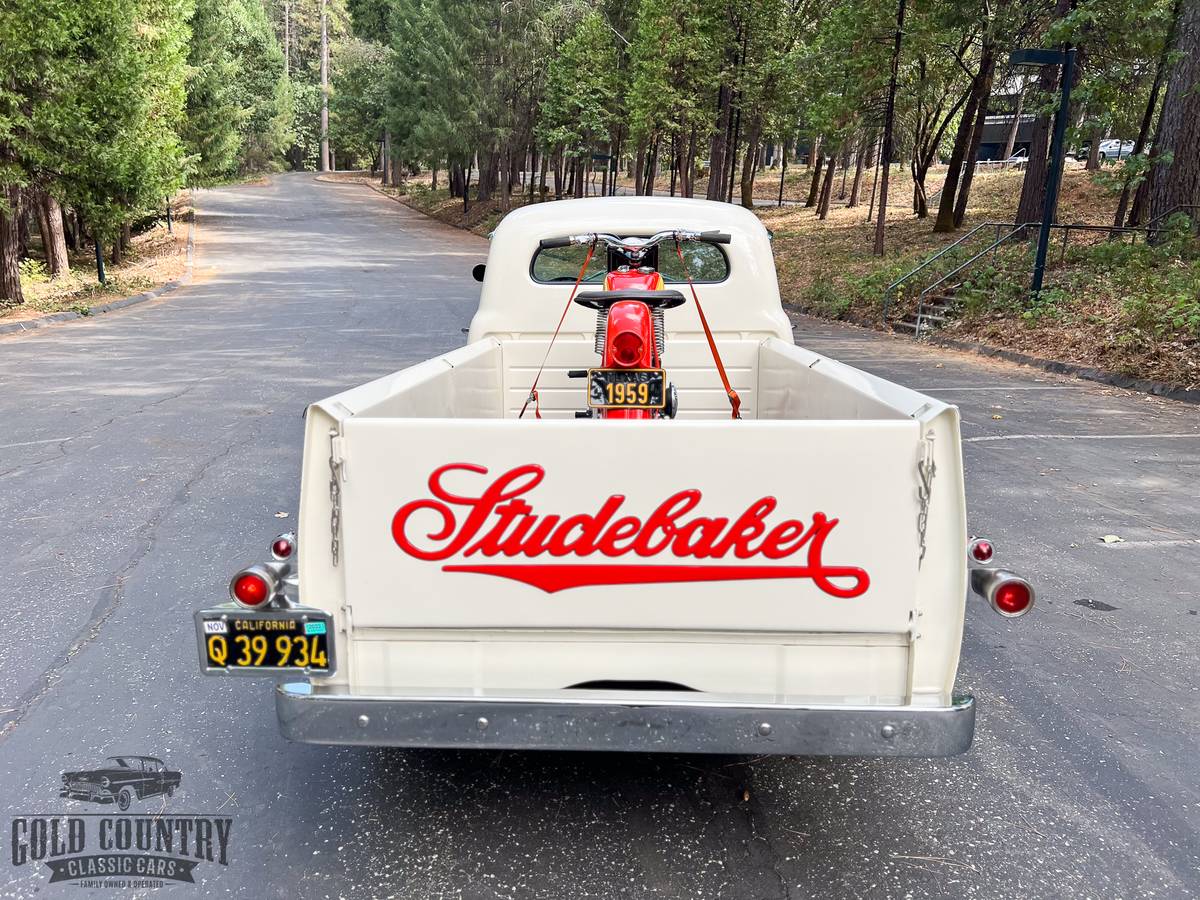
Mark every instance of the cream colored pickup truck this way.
pixel 558 535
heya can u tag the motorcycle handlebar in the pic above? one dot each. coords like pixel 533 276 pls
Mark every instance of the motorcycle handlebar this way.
pixel 635 243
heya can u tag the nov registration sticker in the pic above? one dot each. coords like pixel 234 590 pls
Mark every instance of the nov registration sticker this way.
pixel 234 641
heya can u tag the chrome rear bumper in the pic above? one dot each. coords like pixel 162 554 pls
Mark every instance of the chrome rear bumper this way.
pixel 672 724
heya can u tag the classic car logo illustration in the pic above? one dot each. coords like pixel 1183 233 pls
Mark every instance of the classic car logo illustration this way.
pixel 110 850
pixel 517 531
pixel 121 780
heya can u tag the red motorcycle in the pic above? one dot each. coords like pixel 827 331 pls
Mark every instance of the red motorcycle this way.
pixel 630 382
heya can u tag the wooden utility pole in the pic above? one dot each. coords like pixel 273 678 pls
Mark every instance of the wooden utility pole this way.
pixel 287 38
pixel 324 88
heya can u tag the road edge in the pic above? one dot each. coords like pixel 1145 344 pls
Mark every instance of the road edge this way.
pixel 1088 373
pixel 113 305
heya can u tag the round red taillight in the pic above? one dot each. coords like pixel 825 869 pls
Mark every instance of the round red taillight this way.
pixel 982 550
pixel 1012 597
pixel 250 589
pixel 282 548
pixel 627 348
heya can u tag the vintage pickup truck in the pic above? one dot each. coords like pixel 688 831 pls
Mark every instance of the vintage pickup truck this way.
pixel 707 540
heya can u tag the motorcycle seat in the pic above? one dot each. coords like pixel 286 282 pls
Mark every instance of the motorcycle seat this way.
pixel 653 299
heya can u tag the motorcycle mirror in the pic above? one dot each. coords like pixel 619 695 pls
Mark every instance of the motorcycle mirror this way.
pixel 477 272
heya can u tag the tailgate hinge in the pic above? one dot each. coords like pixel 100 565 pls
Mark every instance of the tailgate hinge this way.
pixel 926 469
pixel 337 474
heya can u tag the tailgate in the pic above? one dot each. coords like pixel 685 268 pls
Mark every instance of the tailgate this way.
pixel 790 526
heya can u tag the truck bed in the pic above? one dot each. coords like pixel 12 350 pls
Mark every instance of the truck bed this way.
pixel 823 439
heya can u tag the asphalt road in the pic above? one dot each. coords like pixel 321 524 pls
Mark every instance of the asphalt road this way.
pixel 147 453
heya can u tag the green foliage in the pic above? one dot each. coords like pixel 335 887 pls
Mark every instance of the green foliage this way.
pixel 581 89
pixel 675 63
pixel 33 271
pixel 262 90
pixel 240 108
pixel 836 294
pixel 358 104
pixel 212 130
pixel 91 97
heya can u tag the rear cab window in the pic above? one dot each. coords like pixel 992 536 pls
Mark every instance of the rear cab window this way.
pixel 707 264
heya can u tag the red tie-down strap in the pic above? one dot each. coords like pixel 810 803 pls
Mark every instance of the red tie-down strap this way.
pixel 735 402
pixel 533 394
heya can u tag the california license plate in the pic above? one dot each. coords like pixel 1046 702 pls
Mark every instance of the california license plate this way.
pixel 626 389
pixel 236 641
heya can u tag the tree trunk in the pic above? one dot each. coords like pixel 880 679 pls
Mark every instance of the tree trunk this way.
pixel 889 124
pixel 639 166
pixel 651 168
pixel 731 153
pixel 1178 182
pixel 958 156
pixel 558 173
pixel 506 179
pixel 827 189
pixel 689 166
pixel 68 226
pixel 750 163
pixel 1139 145
pixel 859 158
pixel 814 187
pixel 968 175
pixel 1033 188
pixel 720 137
pixel 541 190
pixel 54 240
pixel 10 273
pixel 920 199
pixel 877 154
pixel 22 221
pixel 115 254
pixel 1093 159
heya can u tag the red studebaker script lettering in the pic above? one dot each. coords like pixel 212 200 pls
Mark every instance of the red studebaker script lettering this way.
pixel 496 522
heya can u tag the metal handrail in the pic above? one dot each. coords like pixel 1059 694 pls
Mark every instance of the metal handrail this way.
pixel 1067 227
pixel 888 291
pixel 984 252
pixel 1022 229
pixel 1179 207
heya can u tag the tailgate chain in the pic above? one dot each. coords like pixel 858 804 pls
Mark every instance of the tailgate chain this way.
pixel 335 496
pixel 926 468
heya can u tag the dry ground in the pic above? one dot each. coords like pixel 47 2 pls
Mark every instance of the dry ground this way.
pixel 154 258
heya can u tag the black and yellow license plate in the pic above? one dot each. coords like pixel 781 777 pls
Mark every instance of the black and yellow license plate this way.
pixel 626 389
pixel 236 641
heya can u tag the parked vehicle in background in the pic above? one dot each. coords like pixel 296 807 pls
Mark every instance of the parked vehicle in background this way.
pixel 1113 149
